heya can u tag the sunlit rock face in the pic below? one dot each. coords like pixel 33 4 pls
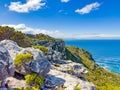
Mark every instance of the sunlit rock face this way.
pixel 6 65
pixel 39 64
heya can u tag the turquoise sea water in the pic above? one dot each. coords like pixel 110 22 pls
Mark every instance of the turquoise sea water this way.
pixel 105 52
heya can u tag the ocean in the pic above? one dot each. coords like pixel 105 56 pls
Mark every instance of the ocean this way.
pixel 106 53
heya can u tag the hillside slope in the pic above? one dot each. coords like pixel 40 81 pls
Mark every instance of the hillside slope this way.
pixel 39 55
pixel 103 79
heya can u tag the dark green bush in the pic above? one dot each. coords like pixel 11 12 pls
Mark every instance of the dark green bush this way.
pixel 17 36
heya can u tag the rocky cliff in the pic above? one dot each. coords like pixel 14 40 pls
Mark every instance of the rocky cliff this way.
pixel 57 72
pixel 41 62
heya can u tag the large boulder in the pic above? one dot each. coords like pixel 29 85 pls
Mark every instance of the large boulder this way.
pixel 39 64
pixel 52 82
pixel 6 65
pixel 12 47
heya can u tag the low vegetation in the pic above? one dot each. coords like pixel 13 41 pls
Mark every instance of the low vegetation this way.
pixel 67 55
pixel 17 36
pixel 34 79
pixel 22 58
pixel 103 79
pixel 32 88
pixel 57 65
pixel 24 40
pixel 71 70
pixel 42 48
pixel 76 87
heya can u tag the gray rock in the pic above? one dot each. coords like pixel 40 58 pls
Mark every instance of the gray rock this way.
pixel 70 81
pixel 12 47
pixel 73 68
pixel 6 65
pixel 54 55
pixel 39 64
pixel 51 81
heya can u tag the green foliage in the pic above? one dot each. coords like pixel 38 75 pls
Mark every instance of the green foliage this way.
pixel 67 55
pixel 21 58
pixel 28 88
pixel 6 32
pixel 76 87
pixel 43 37
pixel 103 79
pixel 42 48
pixel 24 40
pixel 21 39
pixel 70 71
pixel 34 79
pixel 17 36
pixel 108 87
pixel 57 65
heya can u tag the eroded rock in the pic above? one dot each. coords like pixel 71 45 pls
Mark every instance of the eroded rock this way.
pixel 6 65
pixel 72 81
pixel 39 64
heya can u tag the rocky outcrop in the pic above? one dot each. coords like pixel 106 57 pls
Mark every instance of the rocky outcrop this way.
pixel 6 65
pixel 52 82
pixel 12 47
pixel 54 55
pixel 69 81
pixel 16 83
pixel 64 74
pixel 72 68
pixel 39 64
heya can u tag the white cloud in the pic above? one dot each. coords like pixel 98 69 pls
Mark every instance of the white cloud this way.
pixel 65 1
pixel 88 8
pixel 28 30
pixel 30 5
pixel 58 34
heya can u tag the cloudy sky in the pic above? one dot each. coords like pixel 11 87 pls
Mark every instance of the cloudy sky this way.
pixel 71 19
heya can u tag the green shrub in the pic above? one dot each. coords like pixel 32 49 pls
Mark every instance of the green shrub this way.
pixel 28 88
pixel 34 79
pixel 30 78
pixel 70 71
pixel 21 58
pixel 57 65
pixel 9 33
pixel 76 87
pixel 42 48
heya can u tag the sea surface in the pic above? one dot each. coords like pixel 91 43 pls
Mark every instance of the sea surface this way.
pixel 106 53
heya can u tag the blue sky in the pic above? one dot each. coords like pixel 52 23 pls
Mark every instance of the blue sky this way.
pixel 79 19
